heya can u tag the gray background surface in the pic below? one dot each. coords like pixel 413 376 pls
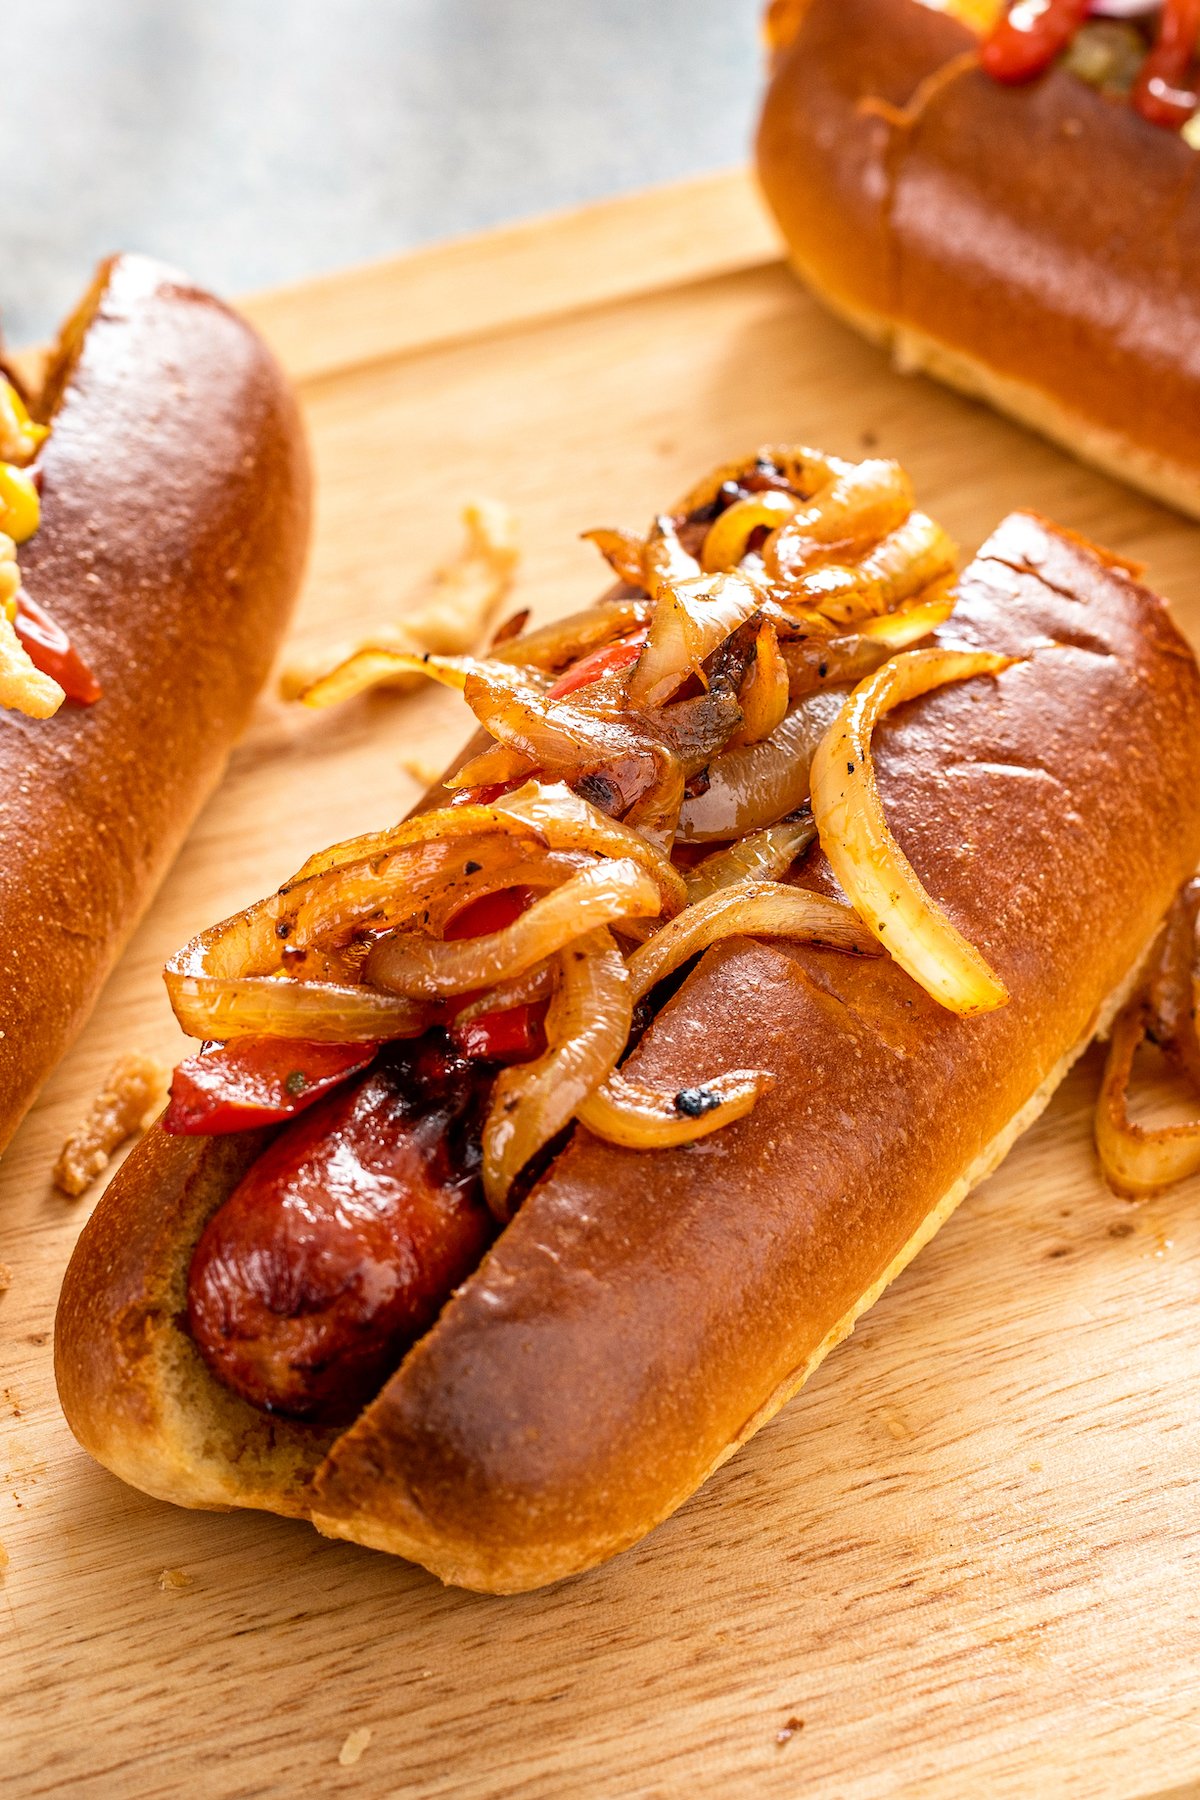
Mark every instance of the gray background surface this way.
pixel 260 141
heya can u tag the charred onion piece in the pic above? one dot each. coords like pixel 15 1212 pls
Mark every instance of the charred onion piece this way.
pixel 429 969
pixel 750 909
pixel 587 1027
pixel 874 872
pixel 1138 1160
pixel 645 1118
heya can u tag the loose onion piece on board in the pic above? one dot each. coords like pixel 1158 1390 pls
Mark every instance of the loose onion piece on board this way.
pixel 1138 1160
pixel 874 872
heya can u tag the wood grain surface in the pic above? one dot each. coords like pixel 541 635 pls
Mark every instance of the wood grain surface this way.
pixel 964 1561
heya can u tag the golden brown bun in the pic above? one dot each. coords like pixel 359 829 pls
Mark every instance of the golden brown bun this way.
pixel 1037 246
pixel 175 505
pixel 644 1313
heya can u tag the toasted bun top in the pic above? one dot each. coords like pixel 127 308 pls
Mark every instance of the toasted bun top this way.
pixel 1046 230
pixel 175 503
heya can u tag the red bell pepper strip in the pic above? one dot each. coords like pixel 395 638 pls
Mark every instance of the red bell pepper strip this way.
pixel 1162 93
pixel 515 1035
pixel 598 664
pixel 51 650
pixel 256 1081
pixel 1029 37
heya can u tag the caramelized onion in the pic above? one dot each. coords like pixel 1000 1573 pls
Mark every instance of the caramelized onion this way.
pixel 587 1027
pixel 747 909
pixel 494 767
pixel 802 468
pixel 760 784
pixel 826 662
pixel 906 561
pixel 219 987
pixel 863 503
pixel 554 647
pixel 665 562
pixel 728 537
pixel 564 821
pixel 645 1118
pixel 689 622
pixel 1138 1160
pixel 763 856
pixel 537 983
pixel 874 872
pixel 763 694
pixel 430 969
pixel 562 736
pixel 621 550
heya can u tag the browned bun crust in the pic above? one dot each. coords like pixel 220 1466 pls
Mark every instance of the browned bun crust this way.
pixel 175 505
pixel 644 1313
pixel 1038 246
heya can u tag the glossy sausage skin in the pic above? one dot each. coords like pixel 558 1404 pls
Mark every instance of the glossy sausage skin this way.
pixel 342 1242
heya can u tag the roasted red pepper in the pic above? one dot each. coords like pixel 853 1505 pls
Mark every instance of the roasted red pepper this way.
pixel 51 650
pixel 1029 37
pixel 512 1036
pixel 598 664
pixel 256 1081
pixel 1162 92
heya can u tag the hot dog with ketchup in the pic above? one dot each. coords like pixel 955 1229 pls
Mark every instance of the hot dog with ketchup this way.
pixel 153 523
pixel 1005 195
pixel 545 1141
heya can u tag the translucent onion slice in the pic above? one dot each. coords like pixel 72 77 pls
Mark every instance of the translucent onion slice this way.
pixel 561 736
pixel 373 850
pixel 537 983
pixel 376 663
pixel 747 909
pixel 495 766
pixel 863 503
pixel 219 987
pixel 621 550
pixel 874 872
pixel 763 856
pixel 665 562
pixel 1138 1160
pixel 587 1028
pixel 762 783
pixel 827 662
pixel 424 968
pixel 564 821
pixel 728 537
pixel 689 621
pixel 554 647
pixel 906 561
pixel 645 1118
pixel 763 694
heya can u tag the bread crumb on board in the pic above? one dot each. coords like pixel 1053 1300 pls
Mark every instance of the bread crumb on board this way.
pixel 5 1278
pixel 356 1742
pixel 3 1559
pixel 173 1581
pixel 133 1093
pixel 421 769
pixel 466 594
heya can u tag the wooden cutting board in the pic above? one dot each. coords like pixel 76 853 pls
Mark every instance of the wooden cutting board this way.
pixel 964 1561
